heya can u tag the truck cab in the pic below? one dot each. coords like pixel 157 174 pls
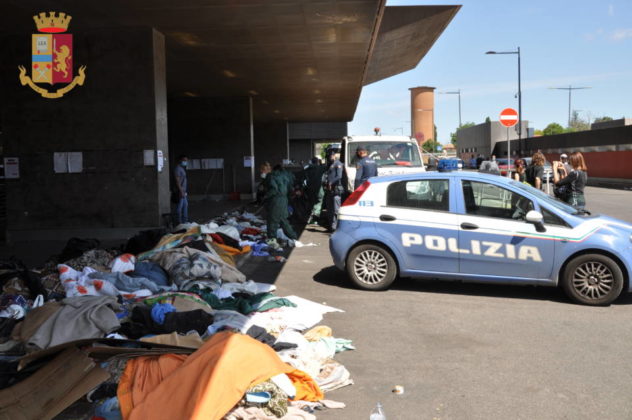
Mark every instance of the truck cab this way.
pixel 393 155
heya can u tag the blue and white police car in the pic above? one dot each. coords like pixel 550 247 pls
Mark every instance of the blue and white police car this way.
pixel 481 228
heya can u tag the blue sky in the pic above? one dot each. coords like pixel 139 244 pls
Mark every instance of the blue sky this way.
pixel 563 42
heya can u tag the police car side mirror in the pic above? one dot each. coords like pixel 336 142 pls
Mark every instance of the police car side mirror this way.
pixel 536 218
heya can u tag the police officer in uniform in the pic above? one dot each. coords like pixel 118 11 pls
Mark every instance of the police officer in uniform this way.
pixel 365 167
pixel 335 189
pixel 313 180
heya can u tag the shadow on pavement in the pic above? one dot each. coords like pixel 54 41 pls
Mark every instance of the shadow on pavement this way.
pixel 332 276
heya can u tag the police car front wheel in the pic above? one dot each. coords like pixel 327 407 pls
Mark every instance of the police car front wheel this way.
pixel 593 279
pixel 371 267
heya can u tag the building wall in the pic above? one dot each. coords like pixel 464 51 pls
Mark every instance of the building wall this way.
pixel 482 139
pixel 210 128
pixel 608 152
pixel 301 150
pixel 119 112
pixel 474 140
pixel 271 142
pixel 611 124
pixel 318 130
pixel 303 136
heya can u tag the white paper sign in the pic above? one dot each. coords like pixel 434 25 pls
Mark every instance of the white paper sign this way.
pixel 60 162
pixel 148 157
pixel 75 162
pixel 161 160
pixel 248 161
pixel 194 164
pixel 11 167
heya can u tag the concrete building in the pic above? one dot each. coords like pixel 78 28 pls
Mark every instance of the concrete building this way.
pixel 621 122
pixel 230 84
pixel 481 139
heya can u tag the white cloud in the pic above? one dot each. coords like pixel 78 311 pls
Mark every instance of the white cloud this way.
pixel 611 9
pixel 591 36
pixel 621 34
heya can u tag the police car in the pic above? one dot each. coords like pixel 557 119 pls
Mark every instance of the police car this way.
pixel 481 228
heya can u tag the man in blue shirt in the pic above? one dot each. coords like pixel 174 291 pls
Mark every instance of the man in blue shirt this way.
pixel 180 175
pixel 365 168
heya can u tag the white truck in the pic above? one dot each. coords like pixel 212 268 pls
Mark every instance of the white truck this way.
pixel 393 154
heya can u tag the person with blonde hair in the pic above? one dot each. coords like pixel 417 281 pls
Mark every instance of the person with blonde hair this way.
pixel 571 187
pixel 535 171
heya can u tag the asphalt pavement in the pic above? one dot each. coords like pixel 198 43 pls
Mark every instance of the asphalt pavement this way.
pixel 469 351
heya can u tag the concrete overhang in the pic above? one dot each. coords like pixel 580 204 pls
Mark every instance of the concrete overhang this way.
pixel 300 60
pixel 405 36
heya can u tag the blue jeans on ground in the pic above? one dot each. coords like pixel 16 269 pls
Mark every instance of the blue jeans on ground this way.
pixel 182 211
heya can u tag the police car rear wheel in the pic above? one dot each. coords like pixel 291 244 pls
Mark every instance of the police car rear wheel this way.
pixel 371 267
pixel 593 279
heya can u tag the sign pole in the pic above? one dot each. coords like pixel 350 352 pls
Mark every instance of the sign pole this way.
pixel 508 155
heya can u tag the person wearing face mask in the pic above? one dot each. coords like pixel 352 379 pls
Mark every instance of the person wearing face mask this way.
pixel 264 170
pixel 180 175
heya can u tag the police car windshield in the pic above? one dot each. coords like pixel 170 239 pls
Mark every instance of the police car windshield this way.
pixel 386 153
pixel 547 198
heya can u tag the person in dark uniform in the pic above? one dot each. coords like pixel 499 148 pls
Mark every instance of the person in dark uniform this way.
pixel 335 189
pixel 277 185
pixel 313 180
pixel 365 168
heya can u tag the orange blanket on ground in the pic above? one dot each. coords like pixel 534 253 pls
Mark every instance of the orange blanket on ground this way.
pixel 204 385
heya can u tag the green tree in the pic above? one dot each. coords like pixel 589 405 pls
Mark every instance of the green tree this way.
pixel 577 123
pixel 603 119
pixel 552 129
pixel 323 151
pixel 487 119
pixel 430 146
pixel 466 125
pixel 538 133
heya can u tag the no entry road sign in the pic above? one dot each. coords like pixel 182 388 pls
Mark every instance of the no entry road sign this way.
pixel 508 117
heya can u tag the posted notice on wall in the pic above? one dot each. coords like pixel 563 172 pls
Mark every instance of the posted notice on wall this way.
pixel 148 157
pixel 160 160
pixel 68 162
pixel 249 161
pixel 11 168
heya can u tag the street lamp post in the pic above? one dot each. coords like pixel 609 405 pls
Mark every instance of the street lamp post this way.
pixel 521 146
pixel 456 92
pixel 570 89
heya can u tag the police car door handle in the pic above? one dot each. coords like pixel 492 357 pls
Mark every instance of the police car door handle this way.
pixel 387 218
pixel 468 226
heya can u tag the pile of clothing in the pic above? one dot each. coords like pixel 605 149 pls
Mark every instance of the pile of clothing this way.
pixel 166 327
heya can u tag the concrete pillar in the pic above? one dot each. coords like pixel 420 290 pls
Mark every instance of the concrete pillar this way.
pixel 118 113
pixel 422 113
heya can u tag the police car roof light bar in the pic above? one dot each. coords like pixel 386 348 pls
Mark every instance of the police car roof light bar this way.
pixel 355 196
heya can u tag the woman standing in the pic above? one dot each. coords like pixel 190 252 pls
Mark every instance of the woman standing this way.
pixel 575 181
pixel 535 171
pixel 520 175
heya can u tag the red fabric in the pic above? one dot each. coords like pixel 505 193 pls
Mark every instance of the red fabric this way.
pixel 251 231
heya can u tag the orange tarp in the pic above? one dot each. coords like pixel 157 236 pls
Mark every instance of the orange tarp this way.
pixel 205 385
